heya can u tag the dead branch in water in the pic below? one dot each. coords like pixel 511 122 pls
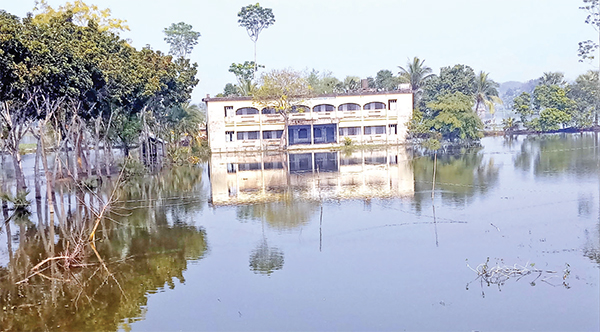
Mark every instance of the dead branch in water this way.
pixel 73 257
pixel 499 274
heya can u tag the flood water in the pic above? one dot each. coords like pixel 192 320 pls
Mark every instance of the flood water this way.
pixel 346 240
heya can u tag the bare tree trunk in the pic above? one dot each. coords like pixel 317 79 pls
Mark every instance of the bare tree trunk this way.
pixel 86 152
pixel 107 155
pixel 49 177
pixel 283 143
pixel 36 173
pixel 97 147
pixel 75 136
pixel 3 188
pixel 19 175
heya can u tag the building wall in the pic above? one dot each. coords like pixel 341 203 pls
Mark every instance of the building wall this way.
pixel 387 125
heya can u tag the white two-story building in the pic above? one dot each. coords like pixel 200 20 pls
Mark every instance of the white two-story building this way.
pixel 239 124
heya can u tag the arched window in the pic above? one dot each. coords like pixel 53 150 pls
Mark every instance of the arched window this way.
pixel 246 111
pixel 349 107
pixel 375 106
pixel 268 110
pixel 300 109
pixel 324 108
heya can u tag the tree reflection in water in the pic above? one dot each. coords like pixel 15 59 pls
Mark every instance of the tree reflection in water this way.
pixel 459 177
pixel 572 154
pixel 265 259
pixel 143 252
pixel 287 214
pixel 551 155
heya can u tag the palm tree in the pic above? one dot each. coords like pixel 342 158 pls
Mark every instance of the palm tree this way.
pixel 553 78
pixel 416 73
pixel 486 94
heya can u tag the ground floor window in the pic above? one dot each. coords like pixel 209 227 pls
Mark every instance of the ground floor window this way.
pixel 350 131
pixel 393 129
pixel 374 130
pixel 247 135
pixel 272 134
pixel 324 133
pixel 299 135
pixel 229 136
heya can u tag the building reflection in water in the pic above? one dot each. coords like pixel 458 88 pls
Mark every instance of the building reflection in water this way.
pixel 316 175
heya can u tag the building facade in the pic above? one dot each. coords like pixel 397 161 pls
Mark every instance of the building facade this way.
pixel 239 124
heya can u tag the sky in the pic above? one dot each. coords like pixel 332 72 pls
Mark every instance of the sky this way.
pixel 513 40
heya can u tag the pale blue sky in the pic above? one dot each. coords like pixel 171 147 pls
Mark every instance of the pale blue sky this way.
pixel 511 39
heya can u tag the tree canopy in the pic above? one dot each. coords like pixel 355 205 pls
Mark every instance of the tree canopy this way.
pixel 84 84
pixel 254 19
pixel 181 39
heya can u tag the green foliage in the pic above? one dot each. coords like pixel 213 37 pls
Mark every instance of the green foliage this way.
pixel 550 102
pixel 453 117
pixel 417 74
pixel 244 71
pixel 459 78
pixel 181 38
pixel 230 90
pixel 551 119
pixel 27 148
pixel 385 81
pixel 432 144
pixel 244 74
pixel 551 96
pixel 586 96
pixel 486 93
pixel 132 169
pixel 348 141
pixel 254 19
pixel 324 83
pixel 19 201
pixel 127 128
pixel 509 125
pixel 552 78
pixel 349 85
pixel 522 107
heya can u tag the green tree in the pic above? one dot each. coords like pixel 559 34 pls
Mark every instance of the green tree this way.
pixel 417 74
pixel 281 90
pixel 554 107
pixel 181 38
pixel 254 19
pixel 322 83
pixel 522 107
pixel 230 90
pixel 453 117
pixel 587 98
pixel 385 80
pixel 244 74
pixel 458 78
pixel 551 105
pixel 349 85
pixel 553 78
pixel 486 93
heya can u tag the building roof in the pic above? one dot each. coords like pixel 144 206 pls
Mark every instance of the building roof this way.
pixel 329 95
